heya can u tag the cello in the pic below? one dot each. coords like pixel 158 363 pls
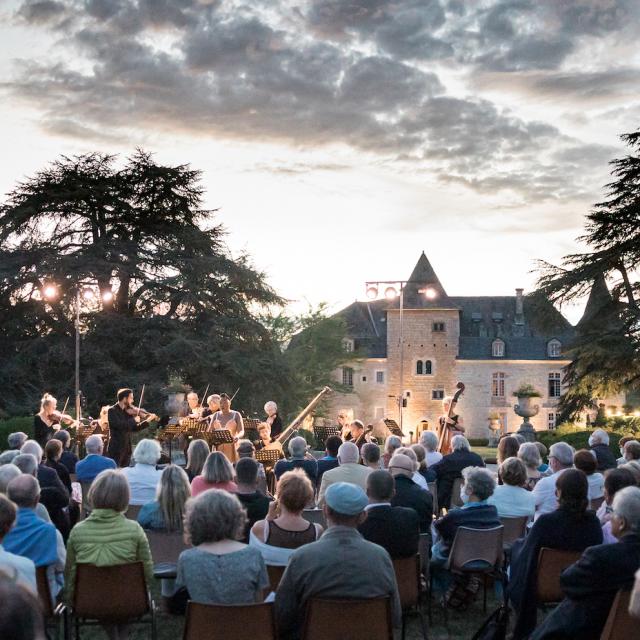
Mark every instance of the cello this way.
pixel 446 432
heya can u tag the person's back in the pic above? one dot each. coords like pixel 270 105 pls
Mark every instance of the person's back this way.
pixel 513 502
pixel 143 481
pixel 310 467
pixel 408 493
pixel 348 471
pixel 90 466
pixel 450 468
pixel 396 529
pixel 330 459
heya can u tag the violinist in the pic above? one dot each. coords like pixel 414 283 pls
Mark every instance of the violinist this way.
pixel 193 408
pixel 47 421
pixel 273 419
pixel 213 405
pixel 344 426
pixel 124 419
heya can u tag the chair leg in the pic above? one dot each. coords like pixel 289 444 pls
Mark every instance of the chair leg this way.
pixel 77 629
pixel 484 585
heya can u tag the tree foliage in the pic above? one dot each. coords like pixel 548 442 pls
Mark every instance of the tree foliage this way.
pixel 605 353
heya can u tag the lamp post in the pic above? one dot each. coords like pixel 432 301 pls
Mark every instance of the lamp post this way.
pixel 393 290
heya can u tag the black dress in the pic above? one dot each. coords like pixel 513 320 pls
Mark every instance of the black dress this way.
pixel 121 426
pixel 42 432
pixel 276 427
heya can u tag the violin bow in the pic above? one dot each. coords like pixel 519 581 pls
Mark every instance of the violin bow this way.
pixel 140 403
pixel 66 402
pixel 235 394
pixel 204 396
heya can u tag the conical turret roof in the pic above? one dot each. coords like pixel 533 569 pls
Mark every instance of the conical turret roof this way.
pixel 423 278
pixel 599 300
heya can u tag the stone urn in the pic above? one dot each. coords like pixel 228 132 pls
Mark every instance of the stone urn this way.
pixel 174 403
pixel 526 410
pixel 495 427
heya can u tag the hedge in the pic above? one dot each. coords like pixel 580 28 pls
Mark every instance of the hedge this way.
pixel 11 425
pixel 578 439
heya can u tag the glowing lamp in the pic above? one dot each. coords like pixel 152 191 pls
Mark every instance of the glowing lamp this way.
pixel 87 294
pixel 372 293
pixel 390 293
pixel 107 296
pixel 50 291
pixel 430 293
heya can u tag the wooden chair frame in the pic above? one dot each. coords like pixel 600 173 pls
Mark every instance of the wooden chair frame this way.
pixel 410 596
pixel 238 613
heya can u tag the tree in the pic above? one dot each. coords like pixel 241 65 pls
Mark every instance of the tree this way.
pixel 605 353
pixel 169 297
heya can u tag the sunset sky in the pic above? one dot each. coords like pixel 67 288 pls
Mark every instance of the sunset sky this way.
pixel 340 138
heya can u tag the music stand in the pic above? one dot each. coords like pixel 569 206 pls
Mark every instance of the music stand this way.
pixel 323 433
pixel 392 425
pixel 171 431
pixel 268 457
pixel 219 436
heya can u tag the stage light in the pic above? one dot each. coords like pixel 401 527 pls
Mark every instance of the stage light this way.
pixel 107 296
pixel 390 293
pixel 430 293
pixel 372 292
pixel 87 294
pixel 50 292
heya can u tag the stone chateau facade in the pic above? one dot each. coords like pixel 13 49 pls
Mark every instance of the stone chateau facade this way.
pixel 493 344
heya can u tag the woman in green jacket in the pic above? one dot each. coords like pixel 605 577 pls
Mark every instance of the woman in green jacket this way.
pixel 107 537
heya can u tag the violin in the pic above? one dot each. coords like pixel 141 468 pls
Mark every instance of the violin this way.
pixel 138 412
pixel 57 417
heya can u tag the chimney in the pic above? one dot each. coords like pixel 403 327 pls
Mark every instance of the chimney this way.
pixel 519 319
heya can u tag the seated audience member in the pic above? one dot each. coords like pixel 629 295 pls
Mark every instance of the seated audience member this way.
pixel 166 512
pixel 429 475
pixel 298 460
pixel 634 467
pixel 429 440
pixel 417 477
pixel 614 480
pixel 570 527
pixel 599 444
pixel 408 493
pixel 20 613
pixel 16 440
pixel 7 473
pixel 218 569
pixel 107 538
pixel 94 462
pixel 370 454
pixel 197 453
pixel 284 528
pixel 510 498
pixel 391 445
pixel 530 456
pixel 621 460
pixel 7 457
pixel 330 459
pixel 247 450
pixel 451 466
pixel 17 567
pixel 31 537
pixel 342 564
pixel 217 473
pixel 396 529
pixel 586 461
pixel 52 455
pixel 560 460
pixel 68 458
pixel 348 471
pixel 634 604
pixel 507 448
pixel 591 584
pixel 631 450
pixel 255 502
pixel 24 463
pixel 143 478
pixel 542 450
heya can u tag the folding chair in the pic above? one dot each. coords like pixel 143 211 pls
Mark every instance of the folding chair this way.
pixel 52 615
pixel 275 575
pixel 514 529
pixel 407 572
pixel 229 622
pixel 551 563
pixel 86 507
pixel 619 622
pixel 368 619
pixel 433 490
pixel 132 511
pixel 165 550
pixel 112 595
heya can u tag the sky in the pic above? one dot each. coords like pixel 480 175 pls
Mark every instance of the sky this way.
pixel 338 139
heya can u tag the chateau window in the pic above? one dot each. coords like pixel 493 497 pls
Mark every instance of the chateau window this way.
pixel 554 385
pixel 554 348
pixel 364 378
pixel 552 419
pixel 424 368
pixel 348 345
pixel 419 369
pixel 497 348
pixel 437 394
pixel 438 327
pixel 380 377
pixel 347 376
pixel 497 385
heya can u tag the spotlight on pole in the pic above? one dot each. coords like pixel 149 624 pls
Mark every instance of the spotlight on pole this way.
pixel 50 291
pixel 390 293
pixel 430 293
pixel 107 296
pixel 87 294
pixel 372 292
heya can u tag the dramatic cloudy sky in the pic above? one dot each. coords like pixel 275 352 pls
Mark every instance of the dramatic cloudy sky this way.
pixel 340 138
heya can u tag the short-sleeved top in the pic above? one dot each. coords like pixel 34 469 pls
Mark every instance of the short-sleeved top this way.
pixel 224 419
pixel 231 578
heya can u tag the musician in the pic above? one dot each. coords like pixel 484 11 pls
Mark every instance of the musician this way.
pixel 344 426
pixel 193 408
pixel 47 421
pixel 213 405
pixel 226 418
pixel 122 423
pixel 453 425
pixel 358 433
pixel 264 432
pixel 273 419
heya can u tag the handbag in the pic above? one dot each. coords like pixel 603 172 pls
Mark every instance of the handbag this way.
pixel 495 626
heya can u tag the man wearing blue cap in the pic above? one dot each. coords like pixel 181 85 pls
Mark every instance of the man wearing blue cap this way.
pixel 342 564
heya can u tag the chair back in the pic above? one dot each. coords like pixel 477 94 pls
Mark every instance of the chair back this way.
pixel 368 619
pixel 476 550
pixel 316 516
pixel 456 500
pixel 551 563
pixel 275 575
pixel 407 572
pixel 619 622
pixel 44 593
pixel 596 503
pixel 132 511
pixel 85 485
pixel 229 622
pixel 165 547
pixel 514 528
pixel 433 490
pixel 114 594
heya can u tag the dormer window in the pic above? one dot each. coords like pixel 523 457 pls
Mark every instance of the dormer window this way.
pixel 554 348
pixel 497 348
pixel 348 345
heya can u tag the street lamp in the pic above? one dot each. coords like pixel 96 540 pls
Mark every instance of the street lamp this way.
pixel 393 289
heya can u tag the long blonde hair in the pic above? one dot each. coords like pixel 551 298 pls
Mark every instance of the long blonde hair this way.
pixel 173 492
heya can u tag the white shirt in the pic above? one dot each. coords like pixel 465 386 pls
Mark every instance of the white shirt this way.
pixel 143 480
pixel 513 502
pixel 433 457
pixel 545 494
pixel 418 478
pixel 596 485
pixel 21 568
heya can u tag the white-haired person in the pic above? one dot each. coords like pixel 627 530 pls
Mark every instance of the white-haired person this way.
pixel 16 439
pixel 273 418
pixel 429 440
pixel 391 445
pixel 418 478
pixel 599 444
pixel 370 455
pixel 166 512
pixel 144 477
pixel 429 475
pixel 560 459
pixel 197 453
pixel 298 460
pixel 94 462
pixel 23 463
pixel 511 498
pixel 530 456
pixel 68 458
pixel 349 470
pixel 193 408
pixel 407 493
pixel 218 569
pixel 217 473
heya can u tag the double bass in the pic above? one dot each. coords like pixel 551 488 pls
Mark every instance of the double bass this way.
pixel 446 432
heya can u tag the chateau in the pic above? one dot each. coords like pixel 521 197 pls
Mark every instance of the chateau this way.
pixel 493 344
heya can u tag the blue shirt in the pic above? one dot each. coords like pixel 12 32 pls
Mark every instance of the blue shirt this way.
pixel 32 538
pixel 150 516
pixel 91 466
